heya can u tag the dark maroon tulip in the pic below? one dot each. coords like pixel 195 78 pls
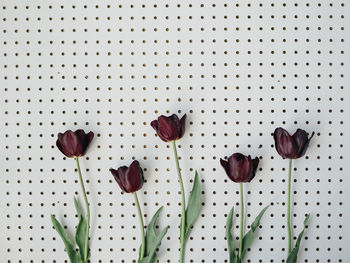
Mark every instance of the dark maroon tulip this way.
pixel 240 168
pixel 169 128
pixel 74 144
pixel 291 147
pixel 130 179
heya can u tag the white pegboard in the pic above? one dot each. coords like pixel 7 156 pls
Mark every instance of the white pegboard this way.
pixel 239 69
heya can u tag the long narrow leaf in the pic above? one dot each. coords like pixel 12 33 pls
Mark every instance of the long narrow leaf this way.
pixel 72 254
pixel 194 205
pixel 78 207
pixel 151 235
pixel 293 256
pixel 152 257
pixel 80 232
pixel 249 237
pixel 152 239
pixel 229 237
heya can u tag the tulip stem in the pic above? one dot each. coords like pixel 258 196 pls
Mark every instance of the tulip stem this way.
pixel 142 226
pixel 240 259
pixel 183 215
pixel 288 208
pixel 87 212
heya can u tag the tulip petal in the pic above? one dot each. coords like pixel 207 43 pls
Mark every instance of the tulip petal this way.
pixel 167 130
pixel 182 127
pixel 226 166
pixel 67 140
pixel 176 124
pixel 134 177
pixel 255 163
pixel 284 143
pixel 118 174
pixel 87 140
pixel 239 168
pixel 71 143
pixel 81 146
pixel 90 137
pixel 301 140
pixel 61 148
pixel 175 119
pixel 154 125
pixel 245 170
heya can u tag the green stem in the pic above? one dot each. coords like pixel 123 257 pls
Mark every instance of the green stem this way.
pixel 240 259
pixel 288 208
pixel 183 215
pixel 142 226
pixel 87 212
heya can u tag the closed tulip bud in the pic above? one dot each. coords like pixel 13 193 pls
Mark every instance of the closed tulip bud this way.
pixel 130 179
pixel 74 144
pixel 169 128
pixel 291 147
pixel 240 168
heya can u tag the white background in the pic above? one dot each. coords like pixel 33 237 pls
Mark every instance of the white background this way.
pixel 239 69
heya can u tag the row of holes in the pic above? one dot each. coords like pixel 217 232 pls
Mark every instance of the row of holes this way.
pixel 180 6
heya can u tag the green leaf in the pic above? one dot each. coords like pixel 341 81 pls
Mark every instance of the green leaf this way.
pixel 292 258
pixel 80 235
pixel 149 259
pixel 80 232
pixel 229 237
pixel 152 239
pixel 194 205
pixel 78 207
pixel 249 237
pixel 69 245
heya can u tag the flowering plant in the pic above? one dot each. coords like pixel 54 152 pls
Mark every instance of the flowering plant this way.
pixel 74 145
pixel 240 169
pixel 292 147
pixel 170 129
pixel 130 180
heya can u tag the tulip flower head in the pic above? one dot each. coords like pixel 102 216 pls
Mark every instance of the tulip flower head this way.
pixel 130 179
pixel 169 128
pixel 291 146
pixel 240 168
pixel 74 144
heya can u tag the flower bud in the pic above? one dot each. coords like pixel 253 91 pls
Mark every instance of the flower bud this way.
pixel 240 168
pixel 169 128
pixel 130 179
pixel 291 147
pixel 74 144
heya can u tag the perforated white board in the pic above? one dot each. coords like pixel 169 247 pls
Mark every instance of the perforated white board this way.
pixel 239 69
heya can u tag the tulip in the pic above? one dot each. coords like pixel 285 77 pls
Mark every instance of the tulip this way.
pixel 169 128
pixel 130 179
pixel 291 147
pixel 240 168
pixel 74 144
